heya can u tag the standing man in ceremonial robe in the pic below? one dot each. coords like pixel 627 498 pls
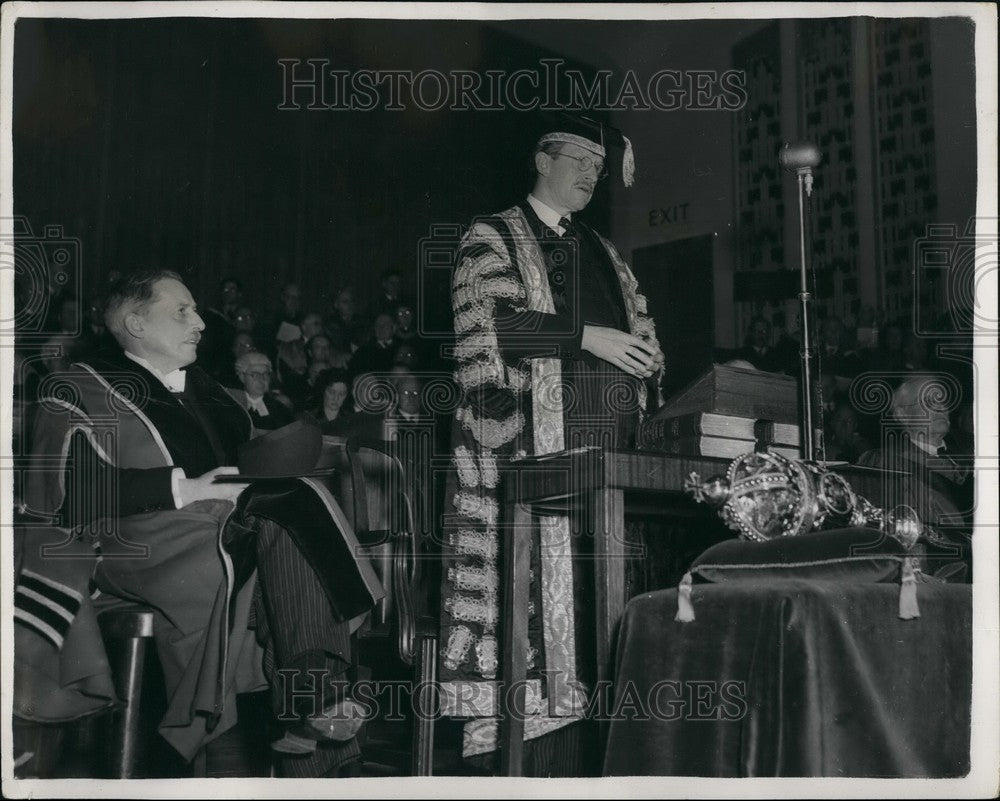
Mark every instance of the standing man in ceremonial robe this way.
pixel 554 350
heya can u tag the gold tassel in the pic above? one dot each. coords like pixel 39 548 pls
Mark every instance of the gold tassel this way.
pixel 685 609
pixel 908 609
pixel 628 163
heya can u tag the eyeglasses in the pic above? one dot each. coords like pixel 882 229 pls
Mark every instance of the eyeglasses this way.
pixel 259 374
pixel 586 163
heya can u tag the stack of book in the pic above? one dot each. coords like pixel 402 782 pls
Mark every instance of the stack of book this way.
pixel 711 434
pixel 727 412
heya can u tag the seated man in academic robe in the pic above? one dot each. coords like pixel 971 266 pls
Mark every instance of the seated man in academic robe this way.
pixel 923 474
pixel 126 454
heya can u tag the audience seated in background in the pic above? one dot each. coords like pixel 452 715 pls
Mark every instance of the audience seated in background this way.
pixel 371 400
pixel 311 326
pixel 832 353
pixel 291 368
pixel 346 327
pixel 245 321
pixel 786 350
pixel 842 440
pixel 390 297
pixel 268 409
pixel 320 350
pixel 915 356
pixel 757 348
pixel 289 313
pixel 333 410
pixel 220 326
pixel 94 335
pixel 378 354
pixel 419 354
pixel 242 343
pixel 865 334
pixel 408 355
pixel 407 396
pixel 888 355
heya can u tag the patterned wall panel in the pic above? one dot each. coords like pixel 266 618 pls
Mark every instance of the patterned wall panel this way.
pixel 904 139
pixel 827 119
pixel 760 205
pixel 901 137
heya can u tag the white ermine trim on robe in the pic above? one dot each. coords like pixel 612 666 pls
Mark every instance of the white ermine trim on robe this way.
pixel 476 579
pixel 477 543
pixel 486 656
pixel 478 315
pixel 475 344
pixel 488 472
pixel 495 373
pixel 491 434
pixel 485 510
pixel 473 269
pixel 468 474
pixel 501 288
pixel 473 610
pixel 456 651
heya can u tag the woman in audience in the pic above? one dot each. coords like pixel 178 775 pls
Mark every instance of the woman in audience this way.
pixel 333 410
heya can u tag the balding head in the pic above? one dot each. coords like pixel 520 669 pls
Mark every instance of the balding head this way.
pixel 920 405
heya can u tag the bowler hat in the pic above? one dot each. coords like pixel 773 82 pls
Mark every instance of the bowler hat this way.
pixel 290 451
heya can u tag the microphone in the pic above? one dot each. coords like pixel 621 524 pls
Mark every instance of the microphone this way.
pixel 797 157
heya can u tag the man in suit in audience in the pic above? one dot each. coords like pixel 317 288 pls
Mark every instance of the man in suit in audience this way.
pixel 147 428
pixel 758 349
pixel 378 354
pixel 266 409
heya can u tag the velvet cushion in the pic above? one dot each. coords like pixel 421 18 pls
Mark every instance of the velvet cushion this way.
pixel 858 555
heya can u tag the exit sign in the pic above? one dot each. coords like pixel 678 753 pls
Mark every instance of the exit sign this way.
pixel 670 214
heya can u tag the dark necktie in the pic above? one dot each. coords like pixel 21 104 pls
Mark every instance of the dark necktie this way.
pixel 567 225
pixel 193 408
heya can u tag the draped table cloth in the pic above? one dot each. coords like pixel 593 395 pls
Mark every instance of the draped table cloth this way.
pixel 794 678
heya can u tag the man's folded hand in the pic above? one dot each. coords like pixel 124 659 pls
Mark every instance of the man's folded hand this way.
pixel 635 355
pixel 204 487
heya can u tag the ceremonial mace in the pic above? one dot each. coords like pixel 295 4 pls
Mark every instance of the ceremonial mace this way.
pixel 800 159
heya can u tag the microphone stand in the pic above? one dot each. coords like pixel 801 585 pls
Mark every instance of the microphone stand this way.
pixel 805 181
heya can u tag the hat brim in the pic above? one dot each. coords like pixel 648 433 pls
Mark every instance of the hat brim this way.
pixel 248 479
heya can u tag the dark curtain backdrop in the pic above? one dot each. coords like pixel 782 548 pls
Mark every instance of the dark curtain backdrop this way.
pixel 161 141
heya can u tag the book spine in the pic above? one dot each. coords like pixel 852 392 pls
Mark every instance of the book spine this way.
pixel 701 424
pixel 726 447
